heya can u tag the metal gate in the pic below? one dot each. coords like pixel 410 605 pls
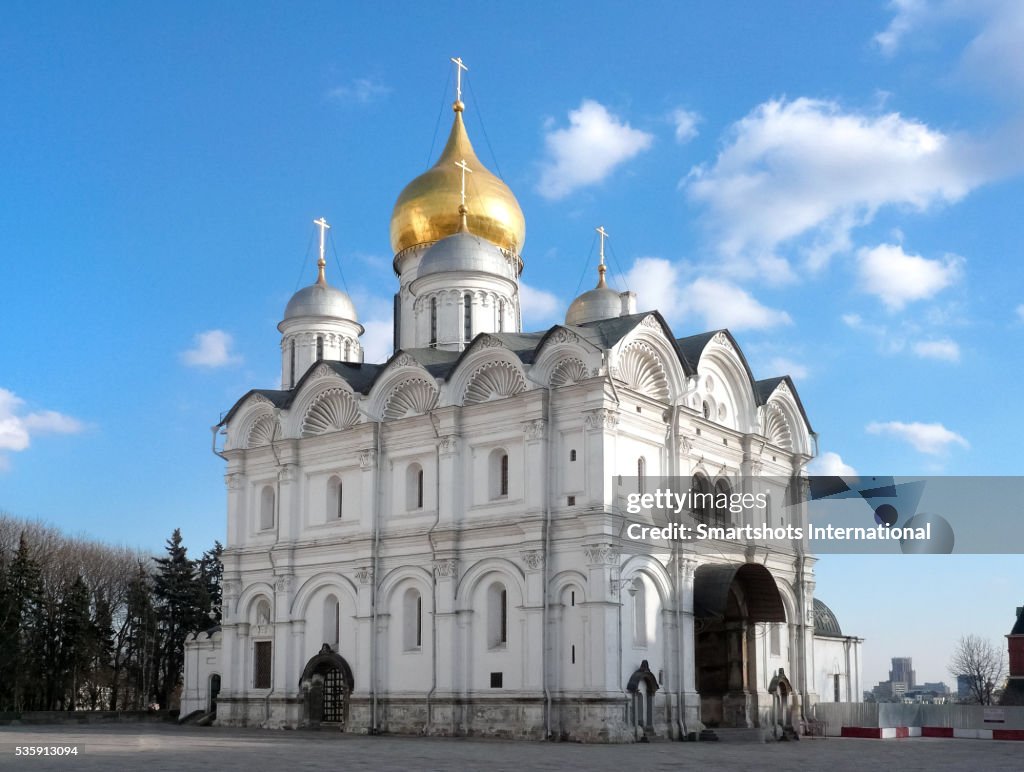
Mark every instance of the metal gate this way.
pixel 335 697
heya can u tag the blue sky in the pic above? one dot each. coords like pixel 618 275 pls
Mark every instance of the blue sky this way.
pixel 840 184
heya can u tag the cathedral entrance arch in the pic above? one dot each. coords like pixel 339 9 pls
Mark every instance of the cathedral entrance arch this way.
pixel 728 600
pixel 326 684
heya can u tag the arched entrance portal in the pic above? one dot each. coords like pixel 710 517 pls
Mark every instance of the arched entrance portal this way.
pixel 326 684
pixel 728 600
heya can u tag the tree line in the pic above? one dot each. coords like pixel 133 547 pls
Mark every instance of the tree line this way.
pixel 92 626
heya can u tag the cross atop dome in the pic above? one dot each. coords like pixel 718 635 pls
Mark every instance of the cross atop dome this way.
pixel 321 264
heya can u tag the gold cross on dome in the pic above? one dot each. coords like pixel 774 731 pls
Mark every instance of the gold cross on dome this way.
pixel 465 169
pixel 459 67
pixel 604 234
pixel 321 263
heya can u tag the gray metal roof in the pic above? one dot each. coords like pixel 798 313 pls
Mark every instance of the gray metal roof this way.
pixel 320 300
pixel 464 252
pixel 595 304
pixel 825 623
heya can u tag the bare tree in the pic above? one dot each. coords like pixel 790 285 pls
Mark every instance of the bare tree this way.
pixel 982 663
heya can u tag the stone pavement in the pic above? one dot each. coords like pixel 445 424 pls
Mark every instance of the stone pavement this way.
pixel 155 747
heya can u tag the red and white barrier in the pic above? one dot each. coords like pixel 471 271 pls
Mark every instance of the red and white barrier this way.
pixel 897 732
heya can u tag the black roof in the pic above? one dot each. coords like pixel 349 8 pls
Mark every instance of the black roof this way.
pixel 1018 628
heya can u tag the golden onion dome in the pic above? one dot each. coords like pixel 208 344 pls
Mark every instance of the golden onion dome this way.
pixel 427 210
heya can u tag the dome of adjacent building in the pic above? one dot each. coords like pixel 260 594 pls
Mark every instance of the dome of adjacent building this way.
pixel 320 299
pixel 825 622
pixel 602 302
pixel 464 252
pixel 427 209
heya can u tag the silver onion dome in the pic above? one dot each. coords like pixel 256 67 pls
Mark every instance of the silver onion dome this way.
pixel 598 303
pixel 321 299
pixel 464 252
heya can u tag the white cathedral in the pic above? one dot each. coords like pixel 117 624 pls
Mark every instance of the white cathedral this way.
pixel 437 544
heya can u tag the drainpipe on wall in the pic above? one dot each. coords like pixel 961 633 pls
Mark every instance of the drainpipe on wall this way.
pixel 433 576
pixel 373 578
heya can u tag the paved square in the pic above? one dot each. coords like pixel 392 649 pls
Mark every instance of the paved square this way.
pixel 154 747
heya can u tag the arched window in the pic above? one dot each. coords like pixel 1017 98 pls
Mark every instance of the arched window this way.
pixel 722 495
pixel 706 410
pixel 641 473
pixel 702 500
pixel 267 507
pixel 433 321
pixel 497 615
pixel 572 455
pixel 497 473
pixel 639 594
pixel 335 499
pixel 332 622
pixel 292 363
pixel 319 347
pixel 412 618
pixel 414 487
pixel 467 317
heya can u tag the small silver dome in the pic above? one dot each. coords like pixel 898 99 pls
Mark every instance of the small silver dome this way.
pixel 600 303
pixel 463 251
pixel 320 300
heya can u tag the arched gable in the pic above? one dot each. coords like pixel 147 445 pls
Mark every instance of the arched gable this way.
pixel 513 574
pixel 782 420
pixel 486 371
pixel 568 578
pixel 647 361
pixel 333 410
pixel 724 382
pixel 253 425
pixel 404 388
pixel 563 358
pixel 319 381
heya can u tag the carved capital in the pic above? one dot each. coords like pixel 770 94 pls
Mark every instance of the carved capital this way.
pixel 364 575
pixel 534 559
pixel 288 473
pixel 448 445
pixel 602 554
pixel 233 481
pixel 367 458
pixel 535 430
pixel 446 569
pixel 284 583
pixel 602 418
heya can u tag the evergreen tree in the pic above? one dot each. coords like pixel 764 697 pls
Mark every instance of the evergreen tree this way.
pixel 181 601
pixel 211 573
pixel 77 642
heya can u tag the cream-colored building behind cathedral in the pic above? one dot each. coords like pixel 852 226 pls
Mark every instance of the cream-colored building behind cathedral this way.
pixel 437 544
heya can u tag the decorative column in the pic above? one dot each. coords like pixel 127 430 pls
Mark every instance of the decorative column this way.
pixel 284 678
pixel 366 654
pixel 605 670
pixel 535 464
pixel 288 507
pixel 235 482
pixel 533 610
pixel 447 642
pixel 600 437
pixel 368 465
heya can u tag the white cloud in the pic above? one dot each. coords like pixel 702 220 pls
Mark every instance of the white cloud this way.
pixel 589 150
pixel 787 366
pixel 945 350
pixel 378 340
pixel 539 306
pixel 359 91
pixel 808 170
pixel 659 285
pixel 898 278
pixel 995 27
pixel 831 464
pixel 685 122
pixel 212 349
pixel 17 427
pixel 656 284
pixel 722 304
pixel 933 439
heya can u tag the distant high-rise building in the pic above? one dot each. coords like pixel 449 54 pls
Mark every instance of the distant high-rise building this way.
pixel 963 687
pixel 903 670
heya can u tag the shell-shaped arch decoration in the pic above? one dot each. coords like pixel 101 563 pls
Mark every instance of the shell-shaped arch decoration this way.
pixel 567 372
pixel 333 410
pixel 641 367
pixel 494 380
pixel 413 396
pixel 262 432
pixel 776 427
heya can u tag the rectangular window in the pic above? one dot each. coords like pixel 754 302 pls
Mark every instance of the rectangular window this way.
pixel 835 687
pixel 262 664
pixel 775 636
pixel 319 347
pixel 504 475
pixel 433 321
pixel 468 317
pixel 570 501
pixel 419 620
pixel 496 680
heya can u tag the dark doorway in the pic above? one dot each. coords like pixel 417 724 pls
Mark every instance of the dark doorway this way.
pixel 326 684
pixel 214 691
